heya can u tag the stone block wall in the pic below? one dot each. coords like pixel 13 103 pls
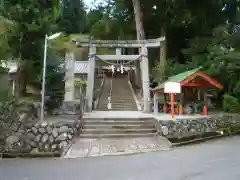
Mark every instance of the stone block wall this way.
pixel 191 127
pixel 70 107
pixel 44 137
pixel 14 115
pixel 20 131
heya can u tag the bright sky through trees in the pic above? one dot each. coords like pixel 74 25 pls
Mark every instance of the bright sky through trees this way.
pixel 90 3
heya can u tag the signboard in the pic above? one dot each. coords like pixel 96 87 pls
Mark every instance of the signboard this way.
pixel 172 87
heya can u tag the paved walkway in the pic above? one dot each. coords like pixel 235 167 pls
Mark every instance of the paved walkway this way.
pixel 101 147
pixel 119 114
pixel 213 160
pixel 135 114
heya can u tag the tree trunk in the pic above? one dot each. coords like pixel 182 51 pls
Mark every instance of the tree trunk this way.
pixel 20 78
pixel 163 54
pixel 20 83
pixel 140 36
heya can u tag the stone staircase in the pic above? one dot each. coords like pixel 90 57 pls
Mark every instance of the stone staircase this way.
pixel 121 99
pixel 101 136
pixel 118 128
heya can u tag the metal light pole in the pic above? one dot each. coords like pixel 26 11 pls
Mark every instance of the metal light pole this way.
pixel 44 71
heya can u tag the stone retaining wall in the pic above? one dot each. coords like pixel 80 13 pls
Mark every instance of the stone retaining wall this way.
pixel 21 133
pixel 45 137
pixel 191 127
pixel 14 116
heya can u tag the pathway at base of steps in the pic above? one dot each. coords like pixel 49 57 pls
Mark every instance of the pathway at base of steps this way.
pixel 86 147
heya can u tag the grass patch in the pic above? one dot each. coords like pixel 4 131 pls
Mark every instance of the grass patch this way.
pixel 32 155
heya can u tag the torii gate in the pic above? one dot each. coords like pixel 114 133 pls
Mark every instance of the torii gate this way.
pixel 143 45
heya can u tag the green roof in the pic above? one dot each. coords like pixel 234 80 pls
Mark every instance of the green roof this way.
pixel 178 78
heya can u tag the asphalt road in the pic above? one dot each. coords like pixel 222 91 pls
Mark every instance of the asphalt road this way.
pixel 213 160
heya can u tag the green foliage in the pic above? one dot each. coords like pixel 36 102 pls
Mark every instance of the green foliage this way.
pixel 54 80
pixel 160 73
pixel 80 84
pixel 7 27
pixel 73 18
pixel 196 33
pixel 111 21
pixel 230 104
pixel 5 88
pixel 5 95
pixel 219 58
pixel 32 20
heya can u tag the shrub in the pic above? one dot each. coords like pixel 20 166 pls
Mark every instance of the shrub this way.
pixel 5 95
pixel 230 104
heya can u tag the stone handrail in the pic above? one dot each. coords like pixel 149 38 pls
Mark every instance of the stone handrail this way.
pixel 96 103
pixel 82 105
pixel 134 96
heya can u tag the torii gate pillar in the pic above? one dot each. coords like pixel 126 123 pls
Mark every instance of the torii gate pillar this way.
pixel 145 79
pixel 90 78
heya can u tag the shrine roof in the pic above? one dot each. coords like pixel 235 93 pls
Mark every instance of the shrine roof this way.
pixel 187 76
pixel 184 75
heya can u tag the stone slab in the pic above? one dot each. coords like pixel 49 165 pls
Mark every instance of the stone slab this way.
pixel 136 114
pixel 101 147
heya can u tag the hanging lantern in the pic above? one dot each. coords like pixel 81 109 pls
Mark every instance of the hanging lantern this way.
pixel 113 68
pixel 122 69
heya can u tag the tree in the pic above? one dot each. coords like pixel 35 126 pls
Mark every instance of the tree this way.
pixel 33 19
pixel 73 17
pixel 7 27
pixel 138 14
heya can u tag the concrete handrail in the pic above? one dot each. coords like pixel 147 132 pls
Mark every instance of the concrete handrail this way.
pixel 134 96
pixel 96 103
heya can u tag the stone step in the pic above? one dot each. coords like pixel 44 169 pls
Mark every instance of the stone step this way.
pixel 132 104
pixel 133 107
pixel 121 90
pixel 117 131
pixel 118 126
pixel 120 98
pixel 117 109
pixel 127 104
pixel 120 119
pixel 123 104
pixel 118 102
pixel 124 107
pixel 122 101
pixel 120 135
pixel 102 109
pixel 117 122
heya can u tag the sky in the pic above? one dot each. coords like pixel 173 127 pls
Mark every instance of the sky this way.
pixel 89 3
